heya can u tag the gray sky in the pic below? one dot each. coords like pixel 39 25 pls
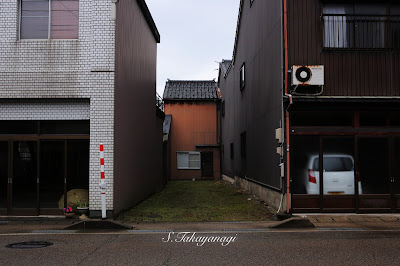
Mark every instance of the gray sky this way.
pixel 194 35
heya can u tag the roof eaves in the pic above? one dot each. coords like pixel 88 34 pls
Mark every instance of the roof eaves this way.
pixel 149 19
pixel 237 31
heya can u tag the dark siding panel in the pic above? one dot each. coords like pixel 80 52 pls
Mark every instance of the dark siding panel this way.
pixel 346 73
pixel 138 131
pixel 258 108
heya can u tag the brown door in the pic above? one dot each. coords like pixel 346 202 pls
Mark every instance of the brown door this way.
pixel 375 170
pixel 207 168
pixel 24 181
pixel 4 177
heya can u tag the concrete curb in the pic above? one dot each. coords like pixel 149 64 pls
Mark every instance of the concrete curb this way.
pixel 99 225
pixel 295 222
pixel 37 218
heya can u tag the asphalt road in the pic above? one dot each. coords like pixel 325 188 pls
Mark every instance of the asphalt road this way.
pixel 311 247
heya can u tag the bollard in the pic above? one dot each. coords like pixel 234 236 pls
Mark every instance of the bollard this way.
pixel 102 183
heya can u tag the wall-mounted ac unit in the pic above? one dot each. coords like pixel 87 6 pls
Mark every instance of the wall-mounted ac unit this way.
pixel 308 75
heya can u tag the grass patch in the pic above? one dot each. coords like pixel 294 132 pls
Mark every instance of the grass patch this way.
pixel 199 201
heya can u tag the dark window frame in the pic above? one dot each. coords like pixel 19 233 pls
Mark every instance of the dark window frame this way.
pixel 188 167
pixel 232 151
pixel 351 36
pixel 57 32
pixel 242 77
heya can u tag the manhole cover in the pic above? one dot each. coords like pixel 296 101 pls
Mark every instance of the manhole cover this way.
pixel 30 244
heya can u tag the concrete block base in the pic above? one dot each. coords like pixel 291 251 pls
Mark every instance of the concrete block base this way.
pixel 97 214
pixel 274 199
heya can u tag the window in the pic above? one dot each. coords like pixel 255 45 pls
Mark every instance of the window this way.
pixel 232 151
pixel 49 19
pixel 242 80
pixel 360 26
pixel 395 18
pixel 336 33
pixel 243 147
pixel 188 160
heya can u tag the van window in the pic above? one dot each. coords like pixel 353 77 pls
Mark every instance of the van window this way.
pixel 335 164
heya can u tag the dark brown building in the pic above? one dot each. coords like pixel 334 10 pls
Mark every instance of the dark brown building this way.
pixel 194 134
pixel 138 122
pixel 322 77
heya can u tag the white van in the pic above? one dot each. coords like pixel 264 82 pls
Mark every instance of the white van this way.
pixel 338 175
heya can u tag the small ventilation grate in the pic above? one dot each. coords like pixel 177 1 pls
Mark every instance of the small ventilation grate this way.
pixel 30 244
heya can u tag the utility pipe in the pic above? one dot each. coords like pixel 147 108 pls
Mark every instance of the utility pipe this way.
pixel 287 110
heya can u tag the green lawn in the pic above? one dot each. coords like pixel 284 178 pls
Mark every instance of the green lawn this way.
pixel 198 201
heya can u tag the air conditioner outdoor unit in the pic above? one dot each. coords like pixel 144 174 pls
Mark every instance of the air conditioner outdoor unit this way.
pixel 308 75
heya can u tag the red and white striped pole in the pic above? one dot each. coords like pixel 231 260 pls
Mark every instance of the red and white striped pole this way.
pixel 102 183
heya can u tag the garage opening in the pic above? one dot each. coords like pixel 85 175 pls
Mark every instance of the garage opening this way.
pixel 349 162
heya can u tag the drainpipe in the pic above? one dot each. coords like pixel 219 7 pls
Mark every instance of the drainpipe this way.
pixel 287 110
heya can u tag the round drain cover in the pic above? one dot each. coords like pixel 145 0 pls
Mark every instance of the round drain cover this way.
pixel 30 244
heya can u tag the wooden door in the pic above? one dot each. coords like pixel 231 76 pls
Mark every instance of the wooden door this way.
pixel 207 167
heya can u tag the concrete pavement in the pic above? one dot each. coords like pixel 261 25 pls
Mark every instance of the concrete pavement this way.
pixel 335 240
pixel 363 221
pixel 307 247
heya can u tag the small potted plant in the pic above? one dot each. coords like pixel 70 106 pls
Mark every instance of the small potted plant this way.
pixel 83 207
pixel 69 212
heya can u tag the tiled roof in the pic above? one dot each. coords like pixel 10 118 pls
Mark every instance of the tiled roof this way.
pixel 190 90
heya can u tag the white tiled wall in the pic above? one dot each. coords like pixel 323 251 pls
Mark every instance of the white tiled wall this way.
pixel 44 109
pixel 64 69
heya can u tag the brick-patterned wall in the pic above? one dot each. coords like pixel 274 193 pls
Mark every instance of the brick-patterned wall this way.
pixel 64 69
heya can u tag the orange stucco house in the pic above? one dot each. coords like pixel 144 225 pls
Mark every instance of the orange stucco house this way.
pixel 194 136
